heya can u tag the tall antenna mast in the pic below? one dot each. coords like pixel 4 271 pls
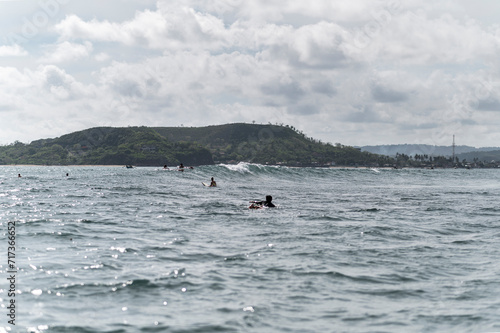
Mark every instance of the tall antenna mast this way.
pixel 453 146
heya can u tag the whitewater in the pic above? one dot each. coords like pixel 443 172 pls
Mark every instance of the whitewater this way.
pixel 116 250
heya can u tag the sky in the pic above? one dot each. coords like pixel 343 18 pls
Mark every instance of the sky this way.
pixel 355 72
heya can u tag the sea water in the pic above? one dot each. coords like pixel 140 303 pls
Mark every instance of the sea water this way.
pixel 110 249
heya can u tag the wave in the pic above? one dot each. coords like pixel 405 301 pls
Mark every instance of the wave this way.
pixel 241 167
pixel 289 172
pixel 80 329
pixel 251 168
pixel 246 169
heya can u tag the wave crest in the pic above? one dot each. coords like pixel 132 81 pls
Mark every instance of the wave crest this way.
pixel 245 167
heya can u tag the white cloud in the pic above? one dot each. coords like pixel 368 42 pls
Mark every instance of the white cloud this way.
pixel 12 51
pixel 179 28
pixel 278 12
pixel 65 52
pixel 103 56
pixel 342 71
pixel 446 40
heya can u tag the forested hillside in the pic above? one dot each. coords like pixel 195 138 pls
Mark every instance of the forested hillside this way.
pixel 230 143
pixel 106 146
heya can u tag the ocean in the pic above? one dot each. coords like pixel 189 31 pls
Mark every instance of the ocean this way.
pixel 116 250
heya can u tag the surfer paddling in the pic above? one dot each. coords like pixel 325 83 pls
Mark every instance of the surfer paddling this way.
pixel 182 167
pixel 259 204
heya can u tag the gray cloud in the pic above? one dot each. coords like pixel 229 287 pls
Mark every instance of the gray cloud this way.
pixel 324 87
pixel 386 95
pixel 304 109
pixel 128 88
pixel 488 104
pixel 364 114
pixel 291 91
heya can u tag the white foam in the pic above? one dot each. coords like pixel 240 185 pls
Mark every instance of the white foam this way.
pixel 242 167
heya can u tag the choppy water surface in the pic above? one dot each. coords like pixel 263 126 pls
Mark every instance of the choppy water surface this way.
pixel 110 249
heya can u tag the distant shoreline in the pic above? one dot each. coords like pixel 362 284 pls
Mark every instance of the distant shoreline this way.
pixel 62 166
pixel 273 165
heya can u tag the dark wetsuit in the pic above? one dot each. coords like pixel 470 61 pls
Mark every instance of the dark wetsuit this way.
pixel 265 204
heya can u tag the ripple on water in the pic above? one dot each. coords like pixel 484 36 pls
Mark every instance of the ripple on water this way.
pixel 351 250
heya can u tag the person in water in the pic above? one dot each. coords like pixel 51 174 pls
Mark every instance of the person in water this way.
pixel 213 183
pixel 165 167
pixel 267 203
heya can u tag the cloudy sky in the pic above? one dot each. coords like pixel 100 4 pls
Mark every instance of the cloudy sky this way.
pixel 357 72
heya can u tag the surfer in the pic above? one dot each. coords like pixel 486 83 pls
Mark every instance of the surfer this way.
pixel 18 175
pixel 267 203
pixel 181 167
pixel 213 183
pixel 165 167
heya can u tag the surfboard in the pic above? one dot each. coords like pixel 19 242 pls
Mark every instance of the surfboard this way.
pixel 255 206
pixel 205 184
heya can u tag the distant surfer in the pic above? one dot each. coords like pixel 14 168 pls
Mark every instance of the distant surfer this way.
pixel 213 183
pixel 165 167
pixel 260 204
pixel 181 167
pixel 19 175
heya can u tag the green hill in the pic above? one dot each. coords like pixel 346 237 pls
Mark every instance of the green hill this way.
pixel 492 156
pixel 106 146
pixel 145 146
